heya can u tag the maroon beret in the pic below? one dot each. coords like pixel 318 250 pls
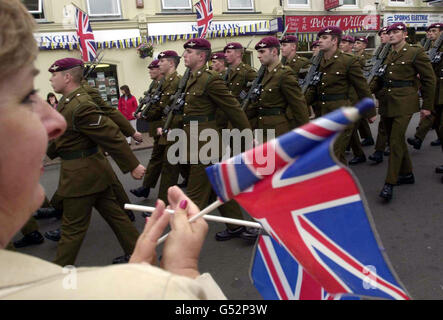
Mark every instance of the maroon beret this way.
pixel 218 55
pixel 65 64
pixel 348 39
pixel 233 45
pixel 197 43
pixel 384 29
pixel 397 26
pixel 435 25
pixel 362 39
pixel 289 39
pixel 332 30
pixel 316 43
pixel 268 42
pixel 167 54
pixel 153 64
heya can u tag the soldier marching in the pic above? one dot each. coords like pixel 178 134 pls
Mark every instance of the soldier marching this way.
pixel 219 98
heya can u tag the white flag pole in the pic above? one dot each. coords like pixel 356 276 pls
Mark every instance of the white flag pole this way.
pixel 206 217
pixel 202 213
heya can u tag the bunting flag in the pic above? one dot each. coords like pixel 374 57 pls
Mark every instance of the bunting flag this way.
pixel 312 206
pixel 258 28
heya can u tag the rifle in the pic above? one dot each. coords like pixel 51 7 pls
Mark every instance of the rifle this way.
pixel 426 43
pixel 433 53
pixel 93 64
pixel 145 104
pixel 143 100
pixel 378 69
pixel 178 100
pixel 256 85
pixel 283 59
pixel 314 76
pixel 377 53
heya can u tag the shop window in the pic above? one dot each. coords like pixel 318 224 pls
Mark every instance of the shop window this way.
pixel 298 3
pixel 349 2
pixel 99 9
pixel 399 2
pixel 177 5
pixel 35 7
pixel 104 79
pixel 240 5
pixel 247 57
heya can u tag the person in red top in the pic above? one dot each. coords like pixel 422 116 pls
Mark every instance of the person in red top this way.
pixel 127 104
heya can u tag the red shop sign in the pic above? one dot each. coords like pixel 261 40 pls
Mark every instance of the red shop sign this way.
pixel 332 4
pixel 345 22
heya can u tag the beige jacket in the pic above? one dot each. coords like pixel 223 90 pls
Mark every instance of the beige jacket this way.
pixel 26 277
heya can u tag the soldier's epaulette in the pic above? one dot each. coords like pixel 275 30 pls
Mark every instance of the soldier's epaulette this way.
pixel 81 98
pixel 348 54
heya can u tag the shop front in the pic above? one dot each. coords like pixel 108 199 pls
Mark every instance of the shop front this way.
pixel 121 63
pixel 306 27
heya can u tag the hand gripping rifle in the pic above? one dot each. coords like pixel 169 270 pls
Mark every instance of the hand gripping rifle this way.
pixel 378 69
pixel 256 86
pixel 143 100
pixel 433 53
pixel 178 101
pixel 314 76
pixel 148 100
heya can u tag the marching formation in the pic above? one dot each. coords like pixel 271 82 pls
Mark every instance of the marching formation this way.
pixel 232 98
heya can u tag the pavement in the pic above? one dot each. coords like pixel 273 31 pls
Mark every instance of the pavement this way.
pixel 410 227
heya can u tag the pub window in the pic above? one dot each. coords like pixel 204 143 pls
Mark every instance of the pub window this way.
pixel 298 3
pixel 176 5
pixel 240 5
pixel 104 8
pixel 35 7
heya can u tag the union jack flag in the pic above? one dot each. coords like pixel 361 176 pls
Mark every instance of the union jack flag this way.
pixel 88 48
pixel 204 16
pixel 277 276
pixel 312 206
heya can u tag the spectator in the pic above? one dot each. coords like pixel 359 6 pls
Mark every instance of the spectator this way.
pixel 27 122
pixel 127 104
pixel 52 100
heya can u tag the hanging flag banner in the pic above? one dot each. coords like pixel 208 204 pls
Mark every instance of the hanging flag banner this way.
pixel 69 40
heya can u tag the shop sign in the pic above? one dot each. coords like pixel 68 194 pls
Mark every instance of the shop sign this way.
pixel 332 4
pixel 177 28
pixel 344 22
pixel 412 19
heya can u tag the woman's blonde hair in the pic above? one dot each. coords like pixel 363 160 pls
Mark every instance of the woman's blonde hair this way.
pixel 17 44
